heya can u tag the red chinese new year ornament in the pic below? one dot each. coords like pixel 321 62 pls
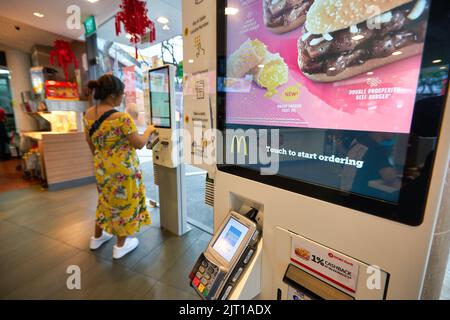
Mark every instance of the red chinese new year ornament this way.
pixel 135 21
pixel 65 56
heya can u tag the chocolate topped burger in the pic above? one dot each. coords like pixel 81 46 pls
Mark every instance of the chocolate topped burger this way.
pixel 343 38
pixel 282 16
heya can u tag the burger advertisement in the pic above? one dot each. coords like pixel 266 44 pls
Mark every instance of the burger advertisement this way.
pixel 327 64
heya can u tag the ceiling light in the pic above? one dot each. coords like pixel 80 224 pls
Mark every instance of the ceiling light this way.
pixel 38 14
pixel 92 1
pixel 166 27
pixel 231 11
pixel 163 20
pixel 397 53
pixel 443 68
pixel 437 61
pixel 358 37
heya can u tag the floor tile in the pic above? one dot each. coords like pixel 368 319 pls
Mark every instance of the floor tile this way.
pixel 109 281
pixel 163 291
pixel 50 284
pixel 163 257
pixel 178 274
pixel 30 260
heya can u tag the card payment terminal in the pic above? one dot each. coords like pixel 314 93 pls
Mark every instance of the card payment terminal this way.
pixel 219 268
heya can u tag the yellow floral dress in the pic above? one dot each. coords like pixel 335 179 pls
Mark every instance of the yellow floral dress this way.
pixel 122 208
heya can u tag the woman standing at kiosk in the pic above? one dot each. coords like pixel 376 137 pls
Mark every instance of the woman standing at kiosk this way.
pixel 113 138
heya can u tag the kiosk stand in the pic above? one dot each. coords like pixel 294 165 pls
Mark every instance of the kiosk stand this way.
pixel 166 152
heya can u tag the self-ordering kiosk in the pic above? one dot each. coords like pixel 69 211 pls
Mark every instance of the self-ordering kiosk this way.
pixel 159 94
pixel 335 226
pixel 163 115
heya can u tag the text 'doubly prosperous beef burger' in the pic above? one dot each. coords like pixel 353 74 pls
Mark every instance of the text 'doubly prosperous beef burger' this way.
pixel 343 38
pixel 282 16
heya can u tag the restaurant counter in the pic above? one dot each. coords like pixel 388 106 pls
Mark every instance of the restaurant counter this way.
pixel 66 159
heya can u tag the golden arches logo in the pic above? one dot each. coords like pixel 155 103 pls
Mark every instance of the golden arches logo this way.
pixel 240 141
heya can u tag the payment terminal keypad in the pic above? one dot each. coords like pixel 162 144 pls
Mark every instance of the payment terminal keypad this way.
pixel 204 276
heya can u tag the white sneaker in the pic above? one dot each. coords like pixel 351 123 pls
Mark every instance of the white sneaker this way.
pixel 129 245
pixel 98 242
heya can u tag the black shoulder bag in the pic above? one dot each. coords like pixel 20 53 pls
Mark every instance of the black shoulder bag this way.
pixel 99 122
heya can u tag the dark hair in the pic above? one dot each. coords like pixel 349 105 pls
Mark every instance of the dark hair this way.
pixel 105 86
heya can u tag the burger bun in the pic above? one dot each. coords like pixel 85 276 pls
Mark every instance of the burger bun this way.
pixel 327 16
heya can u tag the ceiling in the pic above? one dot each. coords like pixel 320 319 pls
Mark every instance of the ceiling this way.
pixel 171 9
pixel 26 37
pixel 36 30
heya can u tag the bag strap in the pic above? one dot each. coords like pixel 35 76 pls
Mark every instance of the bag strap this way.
pixel 99 122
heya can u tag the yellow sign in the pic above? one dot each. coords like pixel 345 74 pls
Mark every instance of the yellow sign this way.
pixel 291 94
pixel 240 141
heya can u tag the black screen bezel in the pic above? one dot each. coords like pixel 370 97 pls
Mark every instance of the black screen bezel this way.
pixel 170 97
pixel 399 212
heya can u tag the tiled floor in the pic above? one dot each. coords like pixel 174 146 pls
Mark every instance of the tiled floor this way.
pixel 43 233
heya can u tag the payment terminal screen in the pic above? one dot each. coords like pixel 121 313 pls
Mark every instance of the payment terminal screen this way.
pixel 230 239
pixel 159 82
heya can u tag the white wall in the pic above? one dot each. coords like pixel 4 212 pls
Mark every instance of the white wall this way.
pixel 19 64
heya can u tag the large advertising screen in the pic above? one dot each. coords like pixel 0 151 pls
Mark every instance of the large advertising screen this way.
pixel 360 74
pixel 341 81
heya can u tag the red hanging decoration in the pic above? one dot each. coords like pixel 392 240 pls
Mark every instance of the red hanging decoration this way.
pixel 135 21
pixel 65 56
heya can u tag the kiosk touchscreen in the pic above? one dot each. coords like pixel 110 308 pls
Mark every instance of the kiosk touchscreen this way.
pixel 160 100
pixel 162 114
pixel 356 131
pixel 218 269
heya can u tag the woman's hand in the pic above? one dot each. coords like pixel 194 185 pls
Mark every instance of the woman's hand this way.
pixel 140 141
pixel 150 129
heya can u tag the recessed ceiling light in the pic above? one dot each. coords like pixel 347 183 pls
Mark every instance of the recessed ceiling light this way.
pixel 230 11
pixel 92 1
pixel 358 37
pixel 166 27
pixel 397 53
pixel 163 20
pixel 38 14
pixel 437 61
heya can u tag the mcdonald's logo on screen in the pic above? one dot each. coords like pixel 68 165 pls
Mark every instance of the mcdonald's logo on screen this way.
pixel 241 145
